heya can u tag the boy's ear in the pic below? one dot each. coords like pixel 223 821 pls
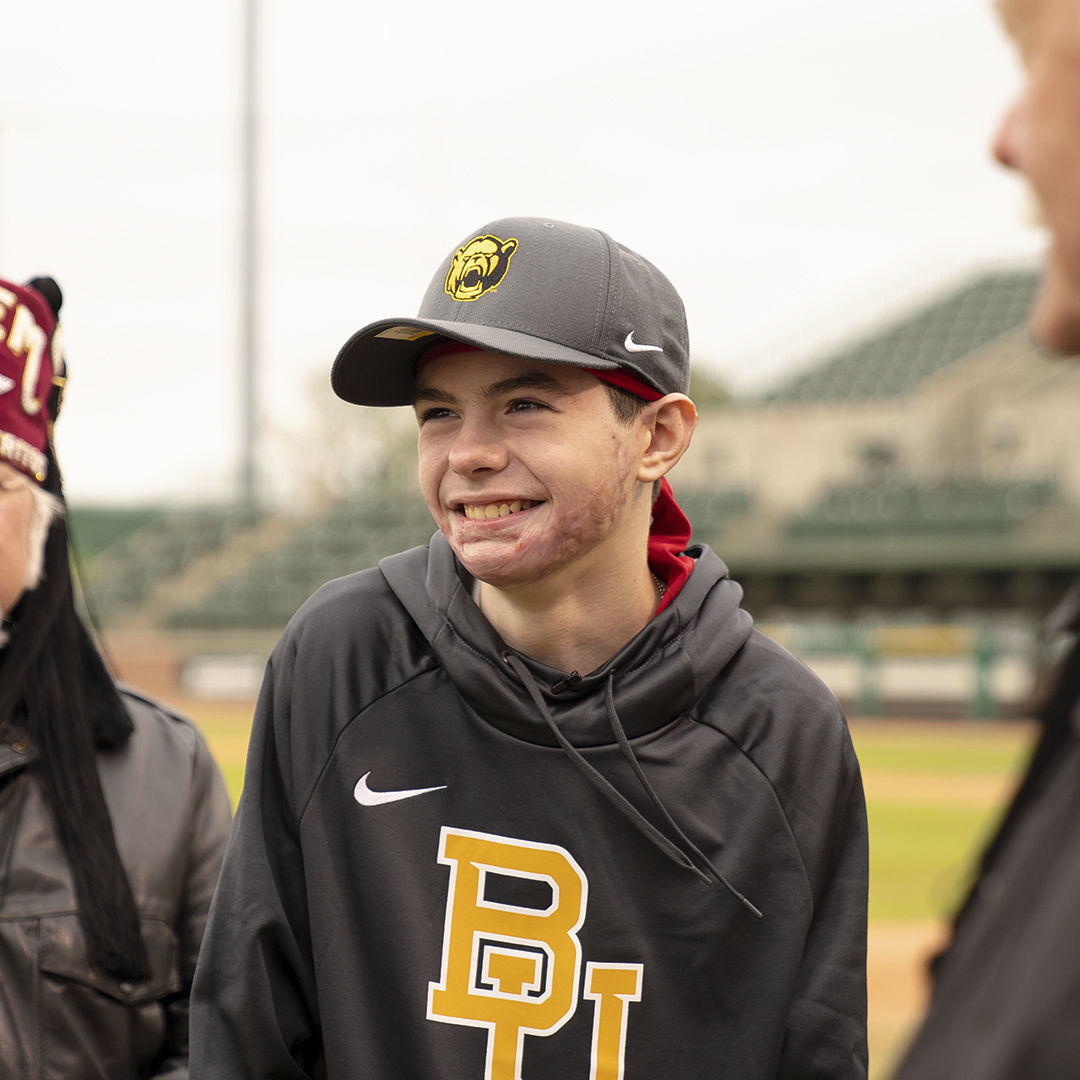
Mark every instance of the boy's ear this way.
pixel 670 423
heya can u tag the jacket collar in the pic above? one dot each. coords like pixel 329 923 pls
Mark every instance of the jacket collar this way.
pixel 659 675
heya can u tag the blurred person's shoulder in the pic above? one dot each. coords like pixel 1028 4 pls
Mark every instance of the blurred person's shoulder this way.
pixel 159 725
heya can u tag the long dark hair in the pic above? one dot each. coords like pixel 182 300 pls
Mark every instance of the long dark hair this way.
pixel 55 687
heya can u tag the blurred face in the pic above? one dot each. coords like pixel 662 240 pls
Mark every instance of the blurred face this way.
pixel 16 512
pixel 526 469
pixel 1039 136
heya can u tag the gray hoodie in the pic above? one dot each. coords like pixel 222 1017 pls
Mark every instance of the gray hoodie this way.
pixel 450 861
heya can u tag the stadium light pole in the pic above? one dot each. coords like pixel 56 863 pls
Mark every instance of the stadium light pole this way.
pixel 249 258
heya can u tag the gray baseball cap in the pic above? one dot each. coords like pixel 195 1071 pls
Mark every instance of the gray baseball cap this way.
pixel 534 288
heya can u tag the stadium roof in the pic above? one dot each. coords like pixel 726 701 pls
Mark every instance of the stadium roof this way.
pixel 894 361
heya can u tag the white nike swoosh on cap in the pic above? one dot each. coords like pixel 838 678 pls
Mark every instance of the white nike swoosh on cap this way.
pixel 632 346
pixel 366 797
pixel 6 384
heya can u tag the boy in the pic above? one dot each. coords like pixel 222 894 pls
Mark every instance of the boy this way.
pixel 537 800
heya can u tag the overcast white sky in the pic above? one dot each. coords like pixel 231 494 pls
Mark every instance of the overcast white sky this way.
pixel 799 170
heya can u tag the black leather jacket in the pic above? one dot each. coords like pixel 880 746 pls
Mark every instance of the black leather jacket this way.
pixel 60 1017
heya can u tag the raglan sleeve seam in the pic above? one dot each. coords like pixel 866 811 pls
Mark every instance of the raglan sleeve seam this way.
pixel 302 808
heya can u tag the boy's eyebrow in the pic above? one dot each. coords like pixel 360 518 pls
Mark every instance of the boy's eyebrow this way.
pixel 433 393
pixel 532 380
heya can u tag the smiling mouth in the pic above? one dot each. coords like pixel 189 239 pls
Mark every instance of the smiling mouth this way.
pixel 483 511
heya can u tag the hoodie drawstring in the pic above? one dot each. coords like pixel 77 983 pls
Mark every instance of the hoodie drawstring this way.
pixel 680 856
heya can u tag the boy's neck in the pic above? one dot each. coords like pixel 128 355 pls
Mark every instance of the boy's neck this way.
pixel 573 625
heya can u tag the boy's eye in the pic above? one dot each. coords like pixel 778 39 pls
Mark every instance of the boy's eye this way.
pixel 520 405
pixel 436 412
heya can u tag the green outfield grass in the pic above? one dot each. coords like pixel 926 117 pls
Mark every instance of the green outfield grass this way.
pixel 963 748
pixel 234 779
pixel 934 794
pixel 921 856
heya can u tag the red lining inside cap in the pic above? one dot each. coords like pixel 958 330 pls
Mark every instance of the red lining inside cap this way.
pixel 625 381
pixel 619 377
pixel 444 348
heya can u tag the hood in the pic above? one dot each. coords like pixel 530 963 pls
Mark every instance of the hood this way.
pixel 659 675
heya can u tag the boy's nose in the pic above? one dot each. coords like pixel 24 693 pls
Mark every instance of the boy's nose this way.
pixel 476 449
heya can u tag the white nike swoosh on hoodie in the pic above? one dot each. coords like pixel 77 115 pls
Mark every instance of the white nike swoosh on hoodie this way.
pixel 366 797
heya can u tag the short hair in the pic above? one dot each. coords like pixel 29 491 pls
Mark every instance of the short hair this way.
pixel 47 508
pixel 627 407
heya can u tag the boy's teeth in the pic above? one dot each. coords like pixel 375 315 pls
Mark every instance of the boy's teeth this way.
pixel 494 510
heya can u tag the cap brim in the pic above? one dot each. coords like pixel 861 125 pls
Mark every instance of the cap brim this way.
pixel 377 365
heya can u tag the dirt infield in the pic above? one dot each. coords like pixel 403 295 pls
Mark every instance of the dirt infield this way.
pixel 933 788
pixel 897 955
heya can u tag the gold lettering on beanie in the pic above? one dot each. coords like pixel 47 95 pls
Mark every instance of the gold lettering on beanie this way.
pixel 25 336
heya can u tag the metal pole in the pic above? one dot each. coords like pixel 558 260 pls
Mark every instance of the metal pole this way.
pixel 249 276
